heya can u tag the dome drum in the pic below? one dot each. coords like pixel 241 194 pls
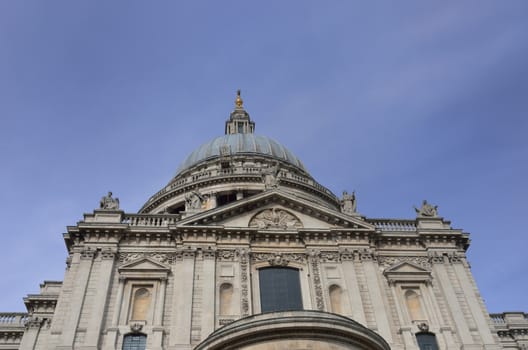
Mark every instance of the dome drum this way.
pixel 245 173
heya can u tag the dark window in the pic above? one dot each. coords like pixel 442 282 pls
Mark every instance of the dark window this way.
pixel 241 128
pixel 280 289
pixel 426 341
pixel 226 198
pixel 135 342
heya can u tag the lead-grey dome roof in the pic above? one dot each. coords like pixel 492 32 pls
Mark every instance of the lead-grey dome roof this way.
pixel 240 144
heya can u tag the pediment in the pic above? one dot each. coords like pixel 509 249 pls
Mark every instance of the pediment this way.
pixel 276 210
pixel 405 272
pixel 143 264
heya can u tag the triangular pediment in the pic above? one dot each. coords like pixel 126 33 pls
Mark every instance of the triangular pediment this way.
pixel 144 264
pixel 276 210
pixel 406 267
pixel 407 272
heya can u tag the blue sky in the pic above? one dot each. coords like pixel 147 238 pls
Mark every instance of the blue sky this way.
pixel 400 101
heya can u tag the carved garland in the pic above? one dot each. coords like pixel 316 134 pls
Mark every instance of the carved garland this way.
pixel 314 261
pixel 243 257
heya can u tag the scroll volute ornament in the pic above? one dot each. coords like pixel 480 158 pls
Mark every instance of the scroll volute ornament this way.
pixel 275 219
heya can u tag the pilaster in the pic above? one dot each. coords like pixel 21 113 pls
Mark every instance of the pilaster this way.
pixel 379 304
pixel 180 336
pixel 209 289
pixel 93 332
pixel 354 294
pixel 113 331
pixel 29 339
pixel 84 259
pixel 452 302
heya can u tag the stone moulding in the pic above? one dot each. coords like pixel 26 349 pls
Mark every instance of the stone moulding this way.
pixel 295 326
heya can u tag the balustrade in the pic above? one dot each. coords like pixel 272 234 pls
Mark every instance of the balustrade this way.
pixel 13 319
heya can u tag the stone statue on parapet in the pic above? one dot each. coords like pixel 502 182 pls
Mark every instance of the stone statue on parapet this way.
pixel 427 210
pixel 348 203
pixel 109 203
pixel 193 200
pixel 270 176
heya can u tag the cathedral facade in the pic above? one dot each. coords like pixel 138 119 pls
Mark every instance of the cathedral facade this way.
pixel 243 249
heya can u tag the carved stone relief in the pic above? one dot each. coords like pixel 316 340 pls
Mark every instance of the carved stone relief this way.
pixel 316 276
pixel 387 261
pixel 275 218
pixel 244 262
pixel 226 254
pixel 164 258
pixel 278 259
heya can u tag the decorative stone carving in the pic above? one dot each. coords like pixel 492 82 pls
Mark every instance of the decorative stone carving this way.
pixel 87 254
pixel 455 259
pixel 136 327
pixel 34 322
pixel 316 276
pixel 329 256
pixel 436 258
pixel 107 254
pixel 346 255
pixel 348 203
pixel 226 255
pixel 387 261
pixel 194 200
pixel 270 176
pixel 278 259
pixel 224 321
pixel 366 255
pixel 225 150
pixel 244 261
pixel 164 258
pixel 109 203
pixel 427 210
pixel 423 326
pixel 209 253
pixel 275 218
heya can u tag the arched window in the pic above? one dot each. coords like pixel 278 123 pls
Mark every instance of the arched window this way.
pixel 226 299
pixel 280 289
pixel 135 342
pixel 412 299
pixel 426 341
pixel 335 299
pixel 141 304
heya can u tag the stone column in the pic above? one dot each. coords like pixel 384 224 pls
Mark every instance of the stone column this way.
pixel 209 292
pixel 349 273
pixel 180 335
pixel 29 339
pixel 112 332
pixel 378 302
pixel 93 331
pixel 157 329
pixel 84 261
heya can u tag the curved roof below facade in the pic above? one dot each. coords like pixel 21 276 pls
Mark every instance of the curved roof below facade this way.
pixel 239 144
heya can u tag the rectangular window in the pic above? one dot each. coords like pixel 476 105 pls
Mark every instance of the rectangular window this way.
pixel 280 289
pixel 135 342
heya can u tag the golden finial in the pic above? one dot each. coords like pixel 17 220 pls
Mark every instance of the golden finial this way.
pixel 238 101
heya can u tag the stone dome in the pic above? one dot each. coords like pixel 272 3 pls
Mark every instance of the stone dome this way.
pixel 233 166
pixel 240 144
